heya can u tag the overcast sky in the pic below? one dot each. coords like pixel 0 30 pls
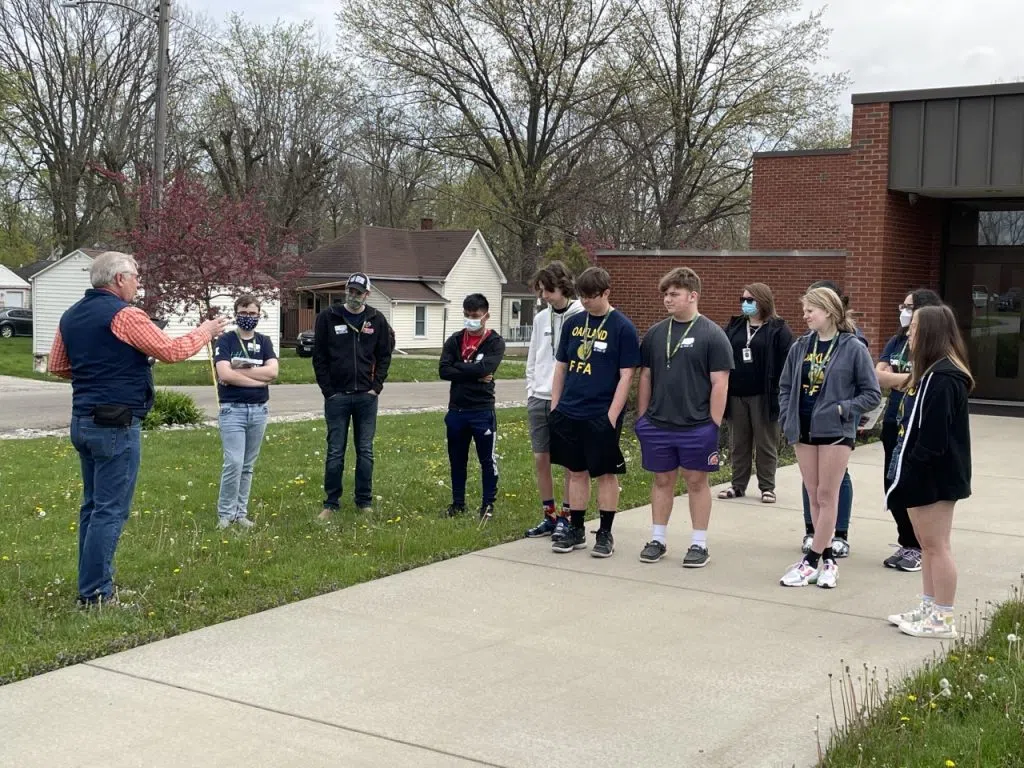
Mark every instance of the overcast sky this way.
pixel 885 45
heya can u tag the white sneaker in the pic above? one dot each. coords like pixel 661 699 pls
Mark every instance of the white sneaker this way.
pixel 932 626
pixel 222 523
pixel 917 614
pixel 840 547
pixel 829 576
pixel 799 575
pixel 805 545
pixel 244 522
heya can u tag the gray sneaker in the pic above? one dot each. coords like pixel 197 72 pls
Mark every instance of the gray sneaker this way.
pixel 910 562
pixel 696 557
pixel 223 523
pixel 574 538
pixel 244 522
pixel 652 552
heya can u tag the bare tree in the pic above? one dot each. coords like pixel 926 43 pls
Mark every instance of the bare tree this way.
pixel 717 81
pixel 519 88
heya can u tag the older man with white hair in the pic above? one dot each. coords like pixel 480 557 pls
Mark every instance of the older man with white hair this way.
pixel 103 344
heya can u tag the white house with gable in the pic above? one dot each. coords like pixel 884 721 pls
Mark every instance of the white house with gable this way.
pixel 418 277
pixel 63 282
pixel 14 291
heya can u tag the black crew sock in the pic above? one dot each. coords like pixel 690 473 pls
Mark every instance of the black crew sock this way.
pixel 828 554
pixel 812 558
pixel 845 535
pixel 808 529
pixel 577 516
pixel 607 518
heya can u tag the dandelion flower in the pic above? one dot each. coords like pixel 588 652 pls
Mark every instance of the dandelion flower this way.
pixel 982 678
pixel 950 764
pixel 946 692
pixel 933 705
pixel 911 698
pixel 1011 638
pixel 943 683
pixel 177 570
pixel 904 719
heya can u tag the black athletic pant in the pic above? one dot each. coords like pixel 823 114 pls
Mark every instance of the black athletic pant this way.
pixel 905 530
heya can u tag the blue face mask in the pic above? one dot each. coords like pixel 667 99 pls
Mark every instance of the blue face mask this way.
pixel 246 322
pixel 473 323
pixel 749 307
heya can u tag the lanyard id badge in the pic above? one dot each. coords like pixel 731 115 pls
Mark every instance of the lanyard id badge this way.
pixel 748 356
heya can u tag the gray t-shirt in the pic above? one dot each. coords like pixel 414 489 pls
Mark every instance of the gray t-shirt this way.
pixel 681 388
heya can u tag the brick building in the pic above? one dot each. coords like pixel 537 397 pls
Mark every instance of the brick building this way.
pixel 930 193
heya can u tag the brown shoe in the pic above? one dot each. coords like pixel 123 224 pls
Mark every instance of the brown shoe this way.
pixel 325 515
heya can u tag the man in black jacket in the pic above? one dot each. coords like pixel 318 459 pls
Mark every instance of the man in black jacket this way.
pixel 469 359
pixel 352 348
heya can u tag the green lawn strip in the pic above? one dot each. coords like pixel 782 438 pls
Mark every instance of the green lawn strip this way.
pixel 965 708
pixel 299 370
pixel 188 575
pixel 16 359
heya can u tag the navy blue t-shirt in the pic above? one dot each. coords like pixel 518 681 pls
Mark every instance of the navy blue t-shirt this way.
pixel 897 355
pixel 813 376
pixel 591 379
pixel 259 349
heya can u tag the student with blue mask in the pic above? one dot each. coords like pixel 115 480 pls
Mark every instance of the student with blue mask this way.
pixel 841 542
pixel 894 373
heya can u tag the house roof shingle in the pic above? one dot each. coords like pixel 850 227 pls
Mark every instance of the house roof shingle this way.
pixel 381 252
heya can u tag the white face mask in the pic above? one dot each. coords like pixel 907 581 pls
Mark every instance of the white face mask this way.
pixel 905 317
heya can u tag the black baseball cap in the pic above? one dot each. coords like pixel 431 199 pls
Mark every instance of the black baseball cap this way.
pixel 358 281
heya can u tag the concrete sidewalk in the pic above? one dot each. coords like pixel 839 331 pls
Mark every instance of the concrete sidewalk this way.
pixel 514 656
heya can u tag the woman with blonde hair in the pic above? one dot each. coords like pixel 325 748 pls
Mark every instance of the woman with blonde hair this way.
pixel 827 383
pixel 760 342
pixel 931 467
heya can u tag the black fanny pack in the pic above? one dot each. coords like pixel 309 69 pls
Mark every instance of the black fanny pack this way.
pixel 112 416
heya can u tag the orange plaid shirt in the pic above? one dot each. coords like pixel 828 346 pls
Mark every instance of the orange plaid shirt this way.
pixel 133 326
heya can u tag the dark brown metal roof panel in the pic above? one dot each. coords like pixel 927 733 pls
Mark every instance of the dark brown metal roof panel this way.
pixel 930 94
pixel 382 252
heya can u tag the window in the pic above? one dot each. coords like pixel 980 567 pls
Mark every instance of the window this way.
pixel 421 321
pixel 1001 228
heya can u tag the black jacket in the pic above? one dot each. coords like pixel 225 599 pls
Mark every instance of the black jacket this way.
pixel 935 462
pixel 345 360
pixel 468 392
pixel 779 339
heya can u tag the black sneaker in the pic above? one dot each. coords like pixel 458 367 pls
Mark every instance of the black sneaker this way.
pixel 454 510
pixel 574 538
pixel 696 557
pixel 486 512
pixel 895 557
pixel 910 562
pixel 605 545
pixel 653 552
pixel 546 527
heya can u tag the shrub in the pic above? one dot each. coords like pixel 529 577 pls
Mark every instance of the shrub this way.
pixel 172 408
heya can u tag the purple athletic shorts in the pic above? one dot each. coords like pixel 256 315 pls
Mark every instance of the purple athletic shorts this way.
pixel 664 450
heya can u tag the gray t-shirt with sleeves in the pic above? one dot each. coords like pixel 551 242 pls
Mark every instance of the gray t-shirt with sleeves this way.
pixel 681 392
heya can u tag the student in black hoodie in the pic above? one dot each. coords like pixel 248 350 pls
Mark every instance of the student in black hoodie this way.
pixel 760 342
pixel 931 467
pixel 352 346
pixel 469 359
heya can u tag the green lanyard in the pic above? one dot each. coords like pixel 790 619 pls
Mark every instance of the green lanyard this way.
pixel 817 368
pixel 586 346
pixel 669 352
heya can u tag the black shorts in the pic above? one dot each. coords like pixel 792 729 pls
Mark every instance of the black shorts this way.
pixel 586 445
pixel 806 439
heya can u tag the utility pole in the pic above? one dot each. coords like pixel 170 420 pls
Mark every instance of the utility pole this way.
pixel 162 75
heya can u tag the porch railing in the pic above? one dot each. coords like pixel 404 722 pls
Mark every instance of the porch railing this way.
pixel 520 334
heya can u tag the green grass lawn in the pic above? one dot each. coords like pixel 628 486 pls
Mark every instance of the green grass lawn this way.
pixel 16 360
pixel 187 575
pixel 965 709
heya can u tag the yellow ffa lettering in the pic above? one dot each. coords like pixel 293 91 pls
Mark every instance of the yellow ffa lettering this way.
pixel 580 367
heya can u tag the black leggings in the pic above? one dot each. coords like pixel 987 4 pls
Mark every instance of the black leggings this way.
pixel 904 529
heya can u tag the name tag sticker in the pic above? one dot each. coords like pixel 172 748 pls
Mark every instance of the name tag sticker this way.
pixel 480 357
pixel 688 342
pixel 338 329
pixel 367 329
pixel 601 346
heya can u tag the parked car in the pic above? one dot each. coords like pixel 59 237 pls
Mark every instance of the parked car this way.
pixel 981 296
pixel 304 344
pixel 1010 301
pixel 15 322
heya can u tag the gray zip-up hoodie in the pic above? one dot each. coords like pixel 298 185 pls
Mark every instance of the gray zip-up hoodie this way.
pixel 850 383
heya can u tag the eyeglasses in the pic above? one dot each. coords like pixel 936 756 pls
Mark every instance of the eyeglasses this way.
pixel 248 314
pixel 749 299
pixel 906 306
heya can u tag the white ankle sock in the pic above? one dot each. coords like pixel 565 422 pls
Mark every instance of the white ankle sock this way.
pixel 700 538
pixel 659 532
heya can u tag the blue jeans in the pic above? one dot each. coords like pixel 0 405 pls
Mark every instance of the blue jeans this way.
pixel 361 409
pixel 845 505
pixel 241 433
pixel 480 427
pixel 110 467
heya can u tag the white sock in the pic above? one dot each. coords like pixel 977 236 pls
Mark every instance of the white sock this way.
pixel 927 600
pixel 659 533
pixel 700 538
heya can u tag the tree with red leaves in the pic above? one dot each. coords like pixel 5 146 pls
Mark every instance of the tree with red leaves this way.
pixel 198 247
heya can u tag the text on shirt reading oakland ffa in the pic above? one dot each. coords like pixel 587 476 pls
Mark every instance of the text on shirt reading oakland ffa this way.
pixel 598 337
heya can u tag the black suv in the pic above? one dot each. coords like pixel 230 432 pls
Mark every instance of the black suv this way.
pixel 304 344
pixel 15 322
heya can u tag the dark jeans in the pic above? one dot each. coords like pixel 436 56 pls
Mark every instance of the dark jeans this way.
pixel 361 409
pixel 480 427
pixel 110 466
pixel 904 528
pixel 845 505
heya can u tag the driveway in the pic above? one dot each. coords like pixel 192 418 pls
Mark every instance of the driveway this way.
pixel 515 656
pixel 27 404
